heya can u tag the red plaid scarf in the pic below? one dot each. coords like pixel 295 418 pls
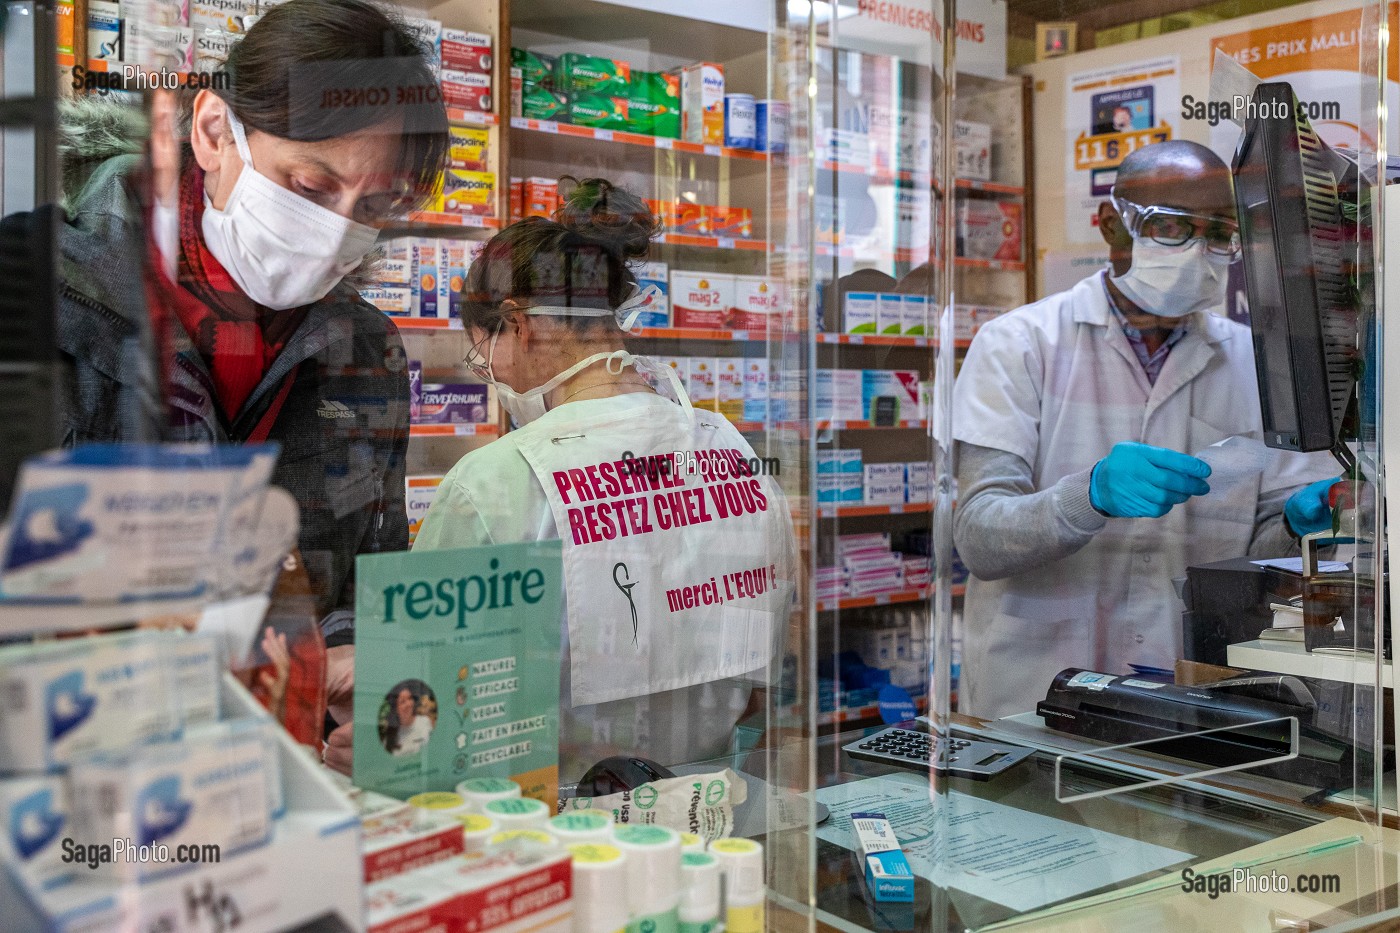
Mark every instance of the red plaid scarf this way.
pixel 237 337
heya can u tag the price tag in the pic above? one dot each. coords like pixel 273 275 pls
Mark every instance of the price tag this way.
pixel 712 150
pixel 548 126
pixel 663 142
pixel 604 135
pixel 726 243
pixel 857 338
pixel 896 510
pixel 520 123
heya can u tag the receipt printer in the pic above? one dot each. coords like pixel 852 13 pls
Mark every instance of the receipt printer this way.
pixel 1254 712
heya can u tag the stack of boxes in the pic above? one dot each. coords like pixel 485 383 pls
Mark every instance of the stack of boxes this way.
pixel 422 277
pixel 740 388
pixel 853 394
pixel 885 313
pixel 605 93
pixel 865 565
pixel 843 478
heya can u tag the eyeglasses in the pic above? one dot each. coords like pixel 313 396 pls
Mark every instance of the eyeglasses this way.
pixel 477 362
pixel 1170 226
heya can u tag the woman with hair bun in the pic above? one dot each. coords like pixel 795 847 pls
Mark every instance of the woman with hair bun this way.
pixel 655 502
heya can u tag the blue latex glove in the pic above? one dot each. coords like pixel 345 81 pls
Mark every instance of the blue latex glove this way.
pixel 1141 481
pixel 1308 509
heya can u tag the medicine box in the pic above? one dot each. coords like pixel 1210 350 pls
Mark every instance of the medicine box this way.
pixel 759 303
pixel 427 31
pixel 466 51
pixel 733 222
pixel 399 841
pixel 919 471
pixel 884 483
pixel 34 820
pixel 467 90
pixel 465 192
pixel 700 299
pixel 215 786
pixel 973 150
pixel 915 315
pixel 702 103
pixel 839 461
pixel 838 395
pixel 859 313
pixel 496 893
pixel 427 277
pixel 887 871
pixel 657 276
pixel 469 148
pixel 901 384
pixel 702 383
pixel 757 370
pixel 64 700
pixel 989 230
pixel 889 313
pixel 418 498
pixel 579 74
pixel 729 387
pixel 839 489
pixel 453 403
pixel 395 301
pixel 541 197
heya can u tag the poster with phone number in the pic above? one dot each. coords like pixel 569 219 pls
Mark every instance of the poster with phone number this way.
pixel 1110 113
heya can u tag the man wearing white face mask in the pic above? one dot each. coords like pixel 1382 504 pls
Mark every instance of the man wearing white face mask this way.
pixel 1075 420
pixel 652 666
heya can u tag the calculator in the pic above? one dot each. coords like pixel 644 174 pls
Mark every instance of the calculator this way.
pixel 904 747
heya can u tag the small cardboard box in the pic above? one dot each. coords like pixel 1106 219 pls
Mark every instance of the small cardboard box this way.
pixel 701 299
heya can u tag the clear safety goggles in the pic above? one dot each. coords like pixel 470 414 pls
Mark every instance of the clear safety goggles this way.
pixel 1170 226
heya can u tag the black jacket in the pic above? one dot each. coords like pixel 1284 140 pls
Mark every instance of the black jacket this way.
pixel 343 427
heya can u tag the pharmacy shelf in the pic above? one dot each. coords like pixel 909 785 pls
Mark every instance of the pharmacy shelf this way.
pixel 453 430
pixel 861 511
pixel 991 187
pixel 883 176
pixel 459 117
pixel 713 242
pixel 1292 657
pixel 885 599
pixel 1000 265
pixel 885 340
pixel 633 139
pixel 861 713
pixel 448 219
pixel 869 426
pixel 427 323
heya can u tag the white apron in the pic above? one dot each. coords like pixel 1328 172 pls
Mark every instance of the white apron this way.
pixel 672 578
pixel 1058 384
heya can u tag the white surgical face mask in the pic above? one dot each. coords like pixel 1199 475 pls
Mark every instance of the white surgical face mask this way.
pixel 524 407
pixel 283 250
pixel 1174 281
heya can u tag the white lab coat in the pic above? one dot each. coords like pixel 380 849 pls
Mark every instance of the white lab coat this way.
pixel 493 496
pixel 1057 384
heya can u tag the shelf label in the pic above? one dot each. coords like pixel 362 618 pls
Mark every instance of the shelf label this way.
pixel 739 335
pixel 857 338
pixel 711 149
pixel 520 123
pixel 726 243
pixel 663 142
pixel 604 135
pixel 547 126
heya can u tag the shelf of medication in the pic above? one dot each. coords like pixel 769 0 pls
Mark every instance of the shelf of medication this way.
pixel 861 511
pixel 991 187
pixel 450 219
pixel 886 340
pixel 861 713
pixel 634 139
pixel 884 599
pixel 453 430
pixel 999 265
pixel 713 242
pixel 870 426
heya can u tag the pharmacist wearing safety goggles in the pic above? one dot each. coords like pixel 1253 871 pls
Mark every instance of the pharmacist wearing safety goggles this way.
pixel 1086 427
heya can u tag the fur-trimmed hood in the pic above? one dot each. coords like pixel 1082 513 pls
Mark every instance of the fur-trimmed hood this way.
pixel 92 130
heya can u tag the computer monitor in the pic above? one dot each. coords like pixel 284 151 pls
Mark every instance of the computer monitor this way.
pixel 1298 251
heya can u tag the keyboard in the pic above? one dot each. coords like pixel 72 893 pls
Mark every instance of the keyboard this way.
pixel 910 748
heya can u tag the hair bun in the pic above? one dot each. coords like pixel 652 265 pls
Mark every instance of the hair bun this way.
pixel 604 213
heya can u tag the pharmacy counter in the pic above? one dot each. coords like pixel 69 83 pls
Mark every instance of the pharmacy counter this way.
pixel 1111 857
